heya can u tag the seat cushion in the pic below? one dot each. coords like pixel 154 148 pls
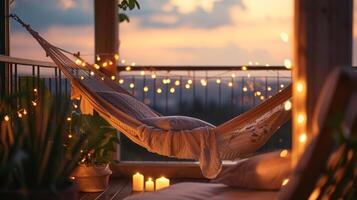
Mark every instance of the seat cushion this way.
pixel 204 191
pixel 263 172
pixel 175 123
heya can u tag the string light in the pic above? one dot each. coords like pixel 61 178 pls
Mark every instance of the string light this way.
pixel 302 138
pixel 75 106
pixel 233 75
pixel 121 81
pixel 159 90
pixel 142 73
pixel 285 181
pixel 133 64
pixel 248 75
pixel 34 103
pixel 146 89
pixel 187 86
pixel 172 90
pixel 258 93
pixel 131 85
pixel 116 57
pixel 301 118
pixel 281 85
pixel 6 118
pixel 245 89
pixel 153 76
pixel 25 112
pixel 189 81
pixel 177 82
pixel 112 77
pixel 96 66
pixel 230 84
pixel 123 61
pixel 69 119
pixel 267 65
pixel 244 68
pixel 127 68
pixel 105 64
pixel 84 64
pixel 92 73
pixel 110 62
pixel 269 88
pixel 19 115
pixel 102 78
pixel 70 136
pixel 299 87
pixel 98 58
pixel 35 89
pixel 284 153
pixel 82 77
pixel 250 63
pixel 262 97
pixel 256 63
pixel 218 81
pixel 203 82
pixel 288 64
pixel 164 81
pixel 78 61
pixel 287 105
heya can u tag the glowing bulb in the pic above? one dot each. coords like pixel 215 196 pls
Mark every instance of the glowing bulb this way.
pixel 146 89
pixel 82 77
pixel 98 58
pixel 116 57
pixel 187 86
pixel 299 87
pixel 230 84
pixel 189 81
pixel 164 81
pixel 25 112
pixel 218 81
pixel 128 68
pixel 302 138
pixel 245 89
pixel 233 75
pixel 256 63
pixel 35 90
pixel 96 66
pixel 284 153
pixel 250 63
pixel 75 106
pixel 84 64
pixel 19 115
pixel 78 61
pixel 105 64
pixel 269 88
pixel 6 118
pixel 70 136
pixel 121 81
pixel 244 68
pixel 112 77
pixel 92 73
pixel 142 73
pixel 132 85
pixel 262 97
pixel 258 93
pixel 123 61
pixel 159 90
pixel 248 75
pixel 110 63
pixel 281 85
pixel 267 65
pixel 102 78
pixel 133 64
pixel 288 64
pixel 177 82
pixel 287 105
pixel 34 103
pixel 203 82
pixel 153 76
pixel 172 90
pixel 69 118
pixel 168 81
pixel 285 181
pixel 301 118
pixel 284 37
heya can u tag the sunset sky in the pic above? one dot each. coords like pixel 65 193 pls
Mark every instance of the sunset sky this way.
pixel 167 32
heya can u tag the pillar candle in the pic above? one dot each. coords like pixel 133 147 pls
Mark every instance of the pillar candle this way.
pixel 149 185
pixel 162 183
pixel 138 182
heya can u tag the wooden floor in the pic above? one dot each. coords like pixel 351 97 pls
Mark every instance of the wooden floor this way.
pixel 121 188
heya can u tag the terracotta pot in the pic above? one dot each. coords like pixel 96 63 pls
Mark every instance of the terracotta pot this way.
pixel 70 192
pixel 92 178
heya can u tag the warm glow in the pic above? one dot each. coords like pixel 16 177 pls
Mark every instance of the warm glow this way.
pixel 98 58
pixel 34 103
pixel 281 85
pixel 258 93
pixel 301 118
pixel 70 135
pixel 288 64
pixel 6 118
pixel 78 61
pixel 35 90
pixel 230 84
pixel 96 66
pixel 262 97
pixel 82 77
pixel 187 86
pixel 233 75
pixel 153 76
pixel 25 112
pixel 110 63
pixel 303 138
pixel 248 75
pixel 128 68
pixel 287 105
pixel 92 73
pixel 299 87
pixel 245 89
pixel 218 81
pixel 285 181
pixel 138 182
pixel 121 81
pixel 84 64
pixel 149 185
pixel 112 77
pixel 19 115
pixel 69 118
pixel 189 81
pixel 284 153
pixel 123 61
pixel 177 82
pixel 269 88
pixel 116 57
pixel 133 64
pixel 244 68
pixel 172 90
pixel 105 64
pixel 159 90
pixel 146 89
pixel 203 82
pixel 162 183
pixel 142 73
pixel 102 78
pixel 131 85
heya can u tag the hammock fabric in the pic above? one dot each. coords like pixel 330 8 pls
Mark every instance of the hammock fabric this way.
pixel 180 137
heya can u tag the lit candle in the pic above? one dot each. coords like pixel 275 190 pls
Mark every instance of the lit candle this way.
pixel 162 183
pixel 149 185
pixel 138 182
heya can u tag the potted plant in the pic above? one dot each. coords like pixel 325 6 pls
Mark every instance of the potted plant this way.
pixel 93 172
pixel 34 163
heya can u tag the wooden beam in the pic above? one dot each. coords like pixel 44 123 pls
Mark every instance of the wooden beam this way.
pixel 4 45
pixel 323 42
pixel 106 34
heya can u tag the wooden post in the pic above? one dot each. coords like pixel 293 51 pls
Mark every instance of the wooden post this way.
pixel 323 42
pixel 4 45
pixel 106 35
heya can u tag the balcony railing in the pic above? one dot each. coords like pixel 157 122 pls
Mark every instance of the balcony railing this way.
pixel 211 93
